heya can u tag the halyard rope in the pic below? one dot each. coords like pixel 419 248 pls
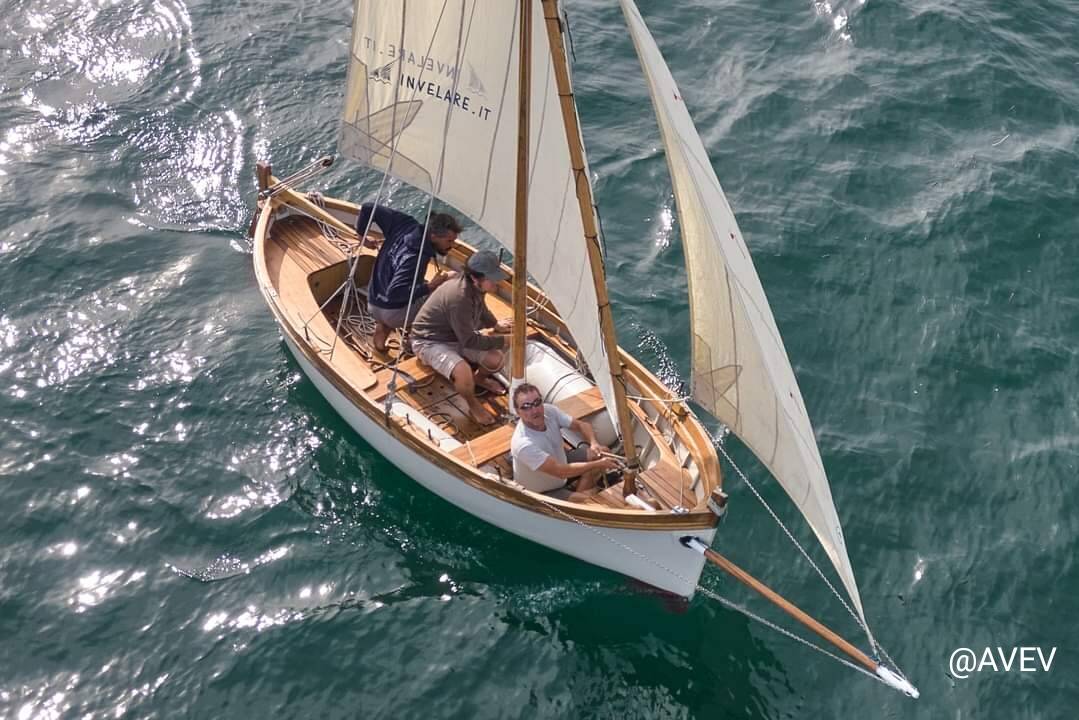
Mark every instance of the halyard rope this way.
pixel 392 385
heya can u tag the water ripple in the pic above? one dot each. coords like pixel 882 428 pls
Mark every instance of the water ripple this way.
pixel 193 530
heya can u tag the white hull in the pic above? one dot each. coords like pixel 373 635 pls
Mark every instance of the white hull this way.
pixel 655 557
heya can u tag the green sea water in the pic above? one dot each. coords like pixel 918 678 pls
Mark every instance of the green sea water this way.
pixel 190 530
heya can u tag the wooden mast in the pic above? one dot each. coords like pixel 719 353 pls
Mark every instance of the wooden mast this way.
pixel 588 219
pixel 520 242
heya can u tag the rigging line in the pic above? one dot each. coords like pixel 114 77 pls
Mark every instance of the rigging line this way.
pixel 461 40
pixel 731 605
pixel 350 285
pixel 537 305
pixel 864 626
pixel 393 153
pixel 501 97
pixel 711 593
pixel 301 175
pixel 397 101
pixel 569 33
pixel 332 235
pixel 350 278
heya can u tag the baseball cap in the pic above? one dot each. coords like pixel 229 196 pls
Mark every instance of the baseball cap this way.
pixel 485 262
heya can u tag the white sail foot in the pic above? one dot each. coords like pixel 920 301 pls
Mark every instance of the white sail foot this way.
pixel 893 680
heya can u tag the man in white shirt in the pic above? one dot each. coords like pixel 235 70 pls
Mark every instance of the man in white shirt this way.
pixel 540 461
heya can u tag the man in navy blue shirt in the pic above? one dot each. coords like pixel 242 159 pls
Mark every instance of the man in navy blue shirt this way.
pixel 406 245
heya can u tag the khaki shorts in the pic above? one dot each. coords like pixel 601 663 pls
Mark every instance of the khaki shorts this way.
pixel 444 357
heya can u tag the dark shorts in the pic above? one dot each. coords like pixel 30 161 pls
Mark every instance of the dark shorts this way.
pixel 397 317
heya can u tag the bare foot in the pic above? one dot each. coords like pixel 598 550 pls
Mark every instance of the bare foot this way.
pixel 481 414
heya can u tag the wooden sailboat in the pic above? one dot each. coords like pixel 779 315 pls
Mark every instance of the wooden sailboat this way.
pixel 472 103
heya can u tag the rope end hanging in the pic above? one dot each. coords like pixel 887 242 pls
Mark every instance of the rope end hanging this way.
pixel 564 26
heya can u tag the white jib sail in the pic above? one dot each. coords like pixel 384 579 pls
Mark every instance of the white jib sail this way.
pixel 432 99
pixel 741 372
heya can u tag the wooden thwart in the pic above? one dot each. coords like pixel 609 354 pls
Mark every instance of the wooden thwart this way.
pixel 663 482
pixel 416 372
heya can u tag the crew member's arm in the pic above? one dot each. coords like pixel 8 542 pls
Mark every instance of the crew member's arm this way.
pixel 586 431
pixel 404 272
pixel 487 318
pixel 573 469
pixel 390 221
pixel 468 336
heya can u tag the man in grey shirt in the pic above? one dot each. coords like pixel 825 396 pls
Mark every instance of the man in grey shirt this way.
pixel 446 333
pixel 540 461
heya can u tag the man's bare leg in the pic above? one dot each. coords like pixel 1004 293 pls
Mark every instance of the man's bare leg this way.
pixel 482 375
pixel 586 486
pixel 465 385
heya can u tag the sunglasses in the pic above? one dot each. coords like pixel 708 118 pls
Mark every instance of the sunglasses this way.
pixel 530 405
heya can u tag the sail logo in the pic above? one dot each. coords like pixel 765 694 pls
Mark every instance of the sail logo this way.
pixel 475 85
pixel 382 74
pixel 398 54
pixel 446 94
pixel 965 661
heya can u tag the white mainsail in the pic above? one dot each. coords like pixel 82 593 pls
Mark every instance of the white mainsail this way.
pixel 432 100
pixel 741 372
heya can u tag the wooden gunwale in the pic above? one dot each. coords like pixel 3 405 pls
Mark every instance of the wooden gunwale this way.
pixel 696 518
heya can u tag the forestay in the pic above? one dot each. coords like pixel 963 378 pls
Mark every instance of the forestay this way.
pixel 432 100
pixel 741 372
